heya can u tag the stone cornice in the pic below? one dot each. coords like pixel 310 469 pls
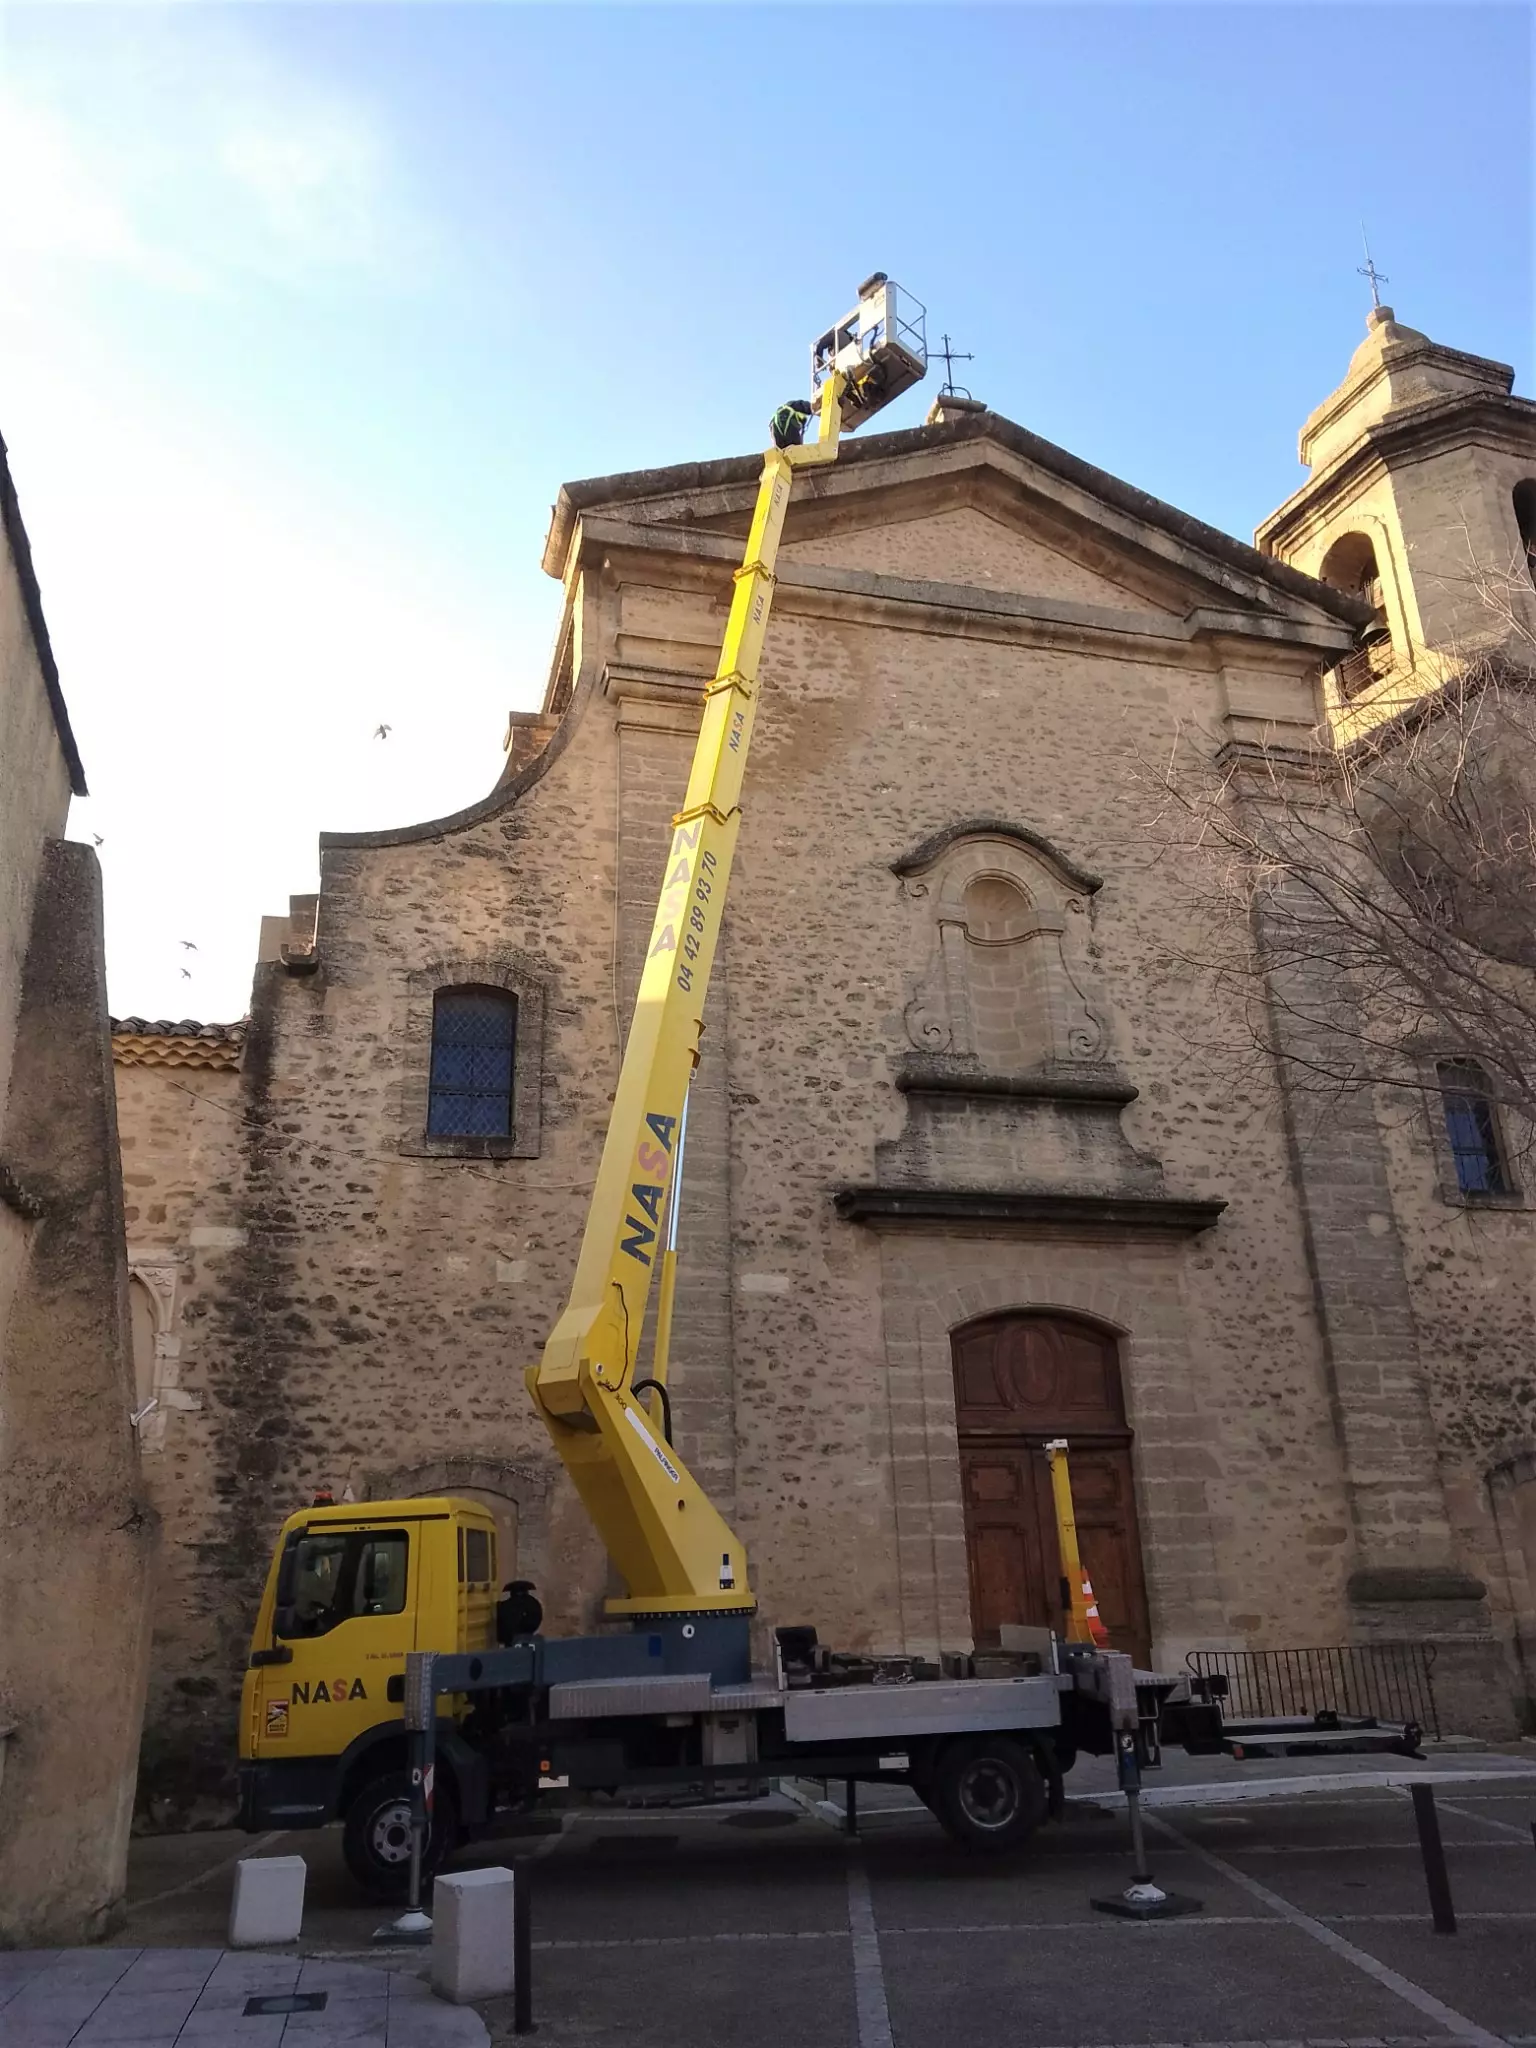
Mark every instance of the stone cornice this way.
pixel 1411 435
pixel 1157 528
pixel 920 1076
pixel 1393 361
pixel 927 852
pixel 892 1207
pixel 976 611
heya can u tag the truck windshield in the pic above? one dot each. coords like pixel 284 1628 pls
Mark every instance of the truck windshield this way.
pixel 340 1573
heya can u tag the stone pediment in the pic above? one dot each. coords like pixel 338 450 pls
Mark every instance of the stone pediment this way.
pixel 966 545
pixel 974 503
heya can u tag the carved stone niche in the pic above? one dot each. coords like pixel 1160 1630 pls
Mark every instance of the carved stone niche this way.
pixel 1009 1079
pixel 1003 912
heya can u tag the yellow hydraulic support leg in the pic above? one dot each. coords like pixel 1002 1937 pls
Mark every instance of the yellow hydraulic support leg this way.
pixel 1083 1624
pixel 675 1551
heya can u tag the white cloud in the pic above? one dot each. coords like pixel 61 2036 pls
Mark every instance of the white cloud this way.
pixel 230 627
pixel 186 153
pixel 315 183
pixel 58 207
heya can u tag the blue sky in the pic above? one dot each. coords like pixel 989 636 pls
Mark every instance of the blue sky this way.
pixel 309 312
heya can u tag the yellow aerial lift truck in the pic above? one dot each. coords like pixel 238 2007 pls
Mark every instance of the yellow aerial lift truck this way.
pixel 386 1684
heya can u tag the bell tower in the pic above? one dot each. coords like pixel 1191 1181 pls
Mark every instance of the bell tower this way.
pixel 1422 498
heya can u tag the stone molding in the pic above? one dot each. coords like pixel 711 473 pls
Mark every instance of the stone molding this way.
pixel 1167 1215
pixel 970 611
pixel 1389 1585
pixel 520 975
pixel 159 1273
pixel 1055 1081
pixel 516 1479
pixel 984 985
pixel 982 441
pixel 1415 433
pixel 929 850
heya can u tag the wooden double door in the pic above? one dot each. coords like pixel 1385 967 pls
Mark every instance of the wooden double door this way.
pixel 1021 1380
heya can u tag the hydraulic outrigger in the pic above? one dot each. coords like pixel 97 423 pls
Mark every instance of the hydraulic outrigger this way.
pixel 675 1551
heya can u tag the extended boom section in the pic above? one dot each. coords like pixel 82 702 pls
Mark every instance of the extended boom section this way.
pixel 675 1550
pixel 677 1554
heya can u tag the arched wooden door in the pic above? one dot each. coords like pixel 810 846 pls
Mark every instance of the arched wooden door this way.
pixel 1019 1381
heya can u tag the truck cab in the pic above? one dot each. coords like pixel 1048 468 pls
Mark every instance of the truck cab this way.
pixel 350 1591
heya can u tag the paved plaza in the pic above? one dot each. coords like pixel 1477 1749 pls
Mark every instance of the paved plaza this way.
pixel 767 1925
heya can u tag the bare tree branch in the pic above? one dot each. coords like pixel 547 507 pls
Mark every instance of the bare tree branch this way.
pixel 1366 905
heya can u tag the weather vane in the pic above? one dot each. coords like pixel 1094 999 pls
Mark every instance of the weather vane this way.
pixel 951 356
pixel 1368 269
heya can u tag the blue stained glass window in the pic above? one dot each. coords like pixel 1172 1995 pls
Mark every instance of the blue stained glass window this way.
pixel 474 1034
pixel 1469 1123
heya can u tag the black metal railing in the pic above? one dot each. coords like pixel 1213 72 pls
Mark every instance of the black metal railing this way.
pixel 1385 1681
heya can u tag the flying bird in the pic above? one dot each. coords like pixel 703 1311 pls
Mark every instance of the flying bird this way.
pixel 382 732
pixel 189 944
pixel 186 974
pixel 98 839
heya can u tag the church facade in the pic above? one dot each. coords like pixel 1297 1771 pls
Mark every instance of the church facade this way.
pixel 957 1179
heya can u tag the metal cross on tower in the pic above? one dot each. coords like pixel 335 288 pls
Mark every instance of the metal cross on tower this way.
pixel 1368 269
pixel 951 356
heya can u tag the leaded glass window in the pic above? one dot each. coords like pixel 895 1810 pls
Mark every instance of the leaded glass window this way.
pixel 1472 1129
pixel 474 1034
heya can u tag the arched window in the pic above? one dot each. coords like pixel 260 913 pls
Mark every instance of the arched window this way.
pixel 474 1037
pixel 1525 517
pixel 143 1325
pixel 1471 1124
pixel 1350 565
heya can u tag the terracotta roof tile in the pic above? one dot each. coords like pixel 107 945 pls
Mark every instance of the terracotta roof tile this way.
pixel 159 1042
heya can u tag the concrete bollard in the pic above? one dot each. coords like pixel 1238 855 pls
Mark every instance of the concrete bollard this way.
pixel 268 1904
pixel 472 1935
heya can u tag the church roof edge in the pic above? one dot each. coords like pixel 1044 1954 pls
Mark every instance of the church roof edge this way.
pixel 589 492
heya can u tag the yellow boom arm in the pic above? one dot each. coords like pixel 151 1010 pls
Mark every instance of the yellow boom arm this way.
pixel 675 1551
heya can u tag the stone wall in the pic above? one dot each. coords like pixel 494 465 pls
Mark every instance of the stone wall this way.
pixel 1471 1276
pixel 180 1120
pixel 76 1536
pixel 921 1098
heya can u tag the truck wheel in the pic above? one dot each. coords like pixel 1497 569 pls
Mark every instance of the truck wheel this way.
pixel 988 1793
pixel 376 1840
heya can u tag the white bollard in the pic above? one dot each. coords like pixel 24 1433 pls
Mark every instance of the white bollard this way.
pixel 269 1901
pixel 472 1935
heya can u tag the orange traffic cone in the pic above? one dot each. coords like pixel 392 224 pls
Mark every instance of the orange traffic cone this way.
pixel 1096 1628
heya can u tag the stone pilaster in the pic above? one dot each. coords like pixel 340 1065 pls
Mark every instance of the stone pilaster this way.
pixel 1407 1581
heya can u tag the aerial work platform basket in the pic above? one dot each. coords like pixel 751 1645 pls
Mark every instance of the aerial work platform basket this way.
pixel 881 348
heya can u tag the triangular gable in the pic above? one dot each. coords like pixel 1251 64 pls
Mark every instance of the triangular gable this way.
pixel 977 500
pixel 969 546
